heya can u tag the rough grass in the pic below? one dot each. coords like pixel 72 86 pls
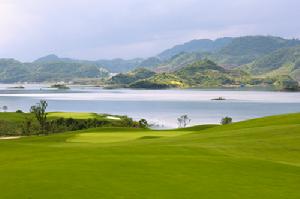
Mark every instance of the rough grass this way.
pixel 253 159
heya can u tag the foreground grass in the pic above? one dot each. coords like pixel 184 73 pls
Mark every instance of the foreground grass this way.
pixel 253 159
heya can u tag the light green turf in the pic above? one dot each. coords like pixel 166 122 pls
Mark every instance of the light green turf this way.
pixel 18 117
pixel 119 136
pixel 254 159
pixel 14 117
pixel 73 115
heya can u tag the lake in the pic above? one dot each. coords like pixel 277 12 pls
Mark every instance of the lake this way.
pixel 161 107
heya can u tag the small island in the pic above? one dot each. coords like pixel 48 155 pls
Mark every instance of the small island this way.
pixel 218 99
pixel 59 86
pixel 17 87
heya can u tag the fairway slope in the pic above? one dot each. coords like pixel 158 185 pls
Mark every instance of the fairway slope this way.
pixel 258 159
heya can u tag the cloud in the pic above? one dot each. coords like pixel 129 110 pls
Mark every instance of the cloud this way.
pixel 94 29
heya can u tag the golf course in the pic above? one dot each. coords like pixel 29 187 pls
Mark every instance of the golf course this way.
pixel 258 158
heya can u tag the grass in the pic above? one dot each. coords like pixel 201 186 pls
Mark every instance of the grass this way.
pixel 12 117
pixel 258 158
pixel 120 136
pixel 19 117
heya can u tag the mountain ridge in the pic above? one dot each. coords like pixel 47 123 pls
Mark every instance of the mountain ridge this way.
pixel 247 53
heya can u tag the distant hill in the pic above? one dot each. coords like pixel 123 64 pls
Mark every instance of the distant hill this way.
pixel 261 56
pixel 113 65
pixel 15 71
pixel 124 79
pixel 243 50
pixel 204 73
pixel 53 58
pixel 151 62
pixel 179 61
pixel 227 52
pixel 285 61
pixel 200 45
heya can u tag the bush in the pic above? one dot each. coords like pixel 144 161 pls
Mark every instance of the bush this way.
pixel 226 120
pixel 19 111
pixel 143 123
pixel 9 128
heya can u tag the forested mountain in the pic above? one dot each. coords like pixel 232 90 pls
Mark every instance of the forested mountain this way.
pixel 15 71
pixel 204 73
pixel 201 45
pixel 259 55
pixel 53 58
pixel 285 61
pixel 262 56
pixel 231 53
pixel 113 65
pixel 243 50
pixel 130 77
pixel 179 61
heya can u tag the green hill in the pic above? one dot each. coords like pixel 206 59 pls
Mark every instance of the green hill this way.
pixel 179 61
pixel 246 49
pixel 124 79
pixel 230 52
pixel 204 73
pixel 160 81
pixel 200 45
pixel 112 65
pixel 253 159
pixel 15 71
pixel 284 61
pixel 259 55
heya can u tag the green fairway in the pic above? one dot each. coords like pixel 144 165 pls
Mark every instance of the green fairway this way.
pixel 82 115
pixel 121 136
pixel 73 115
pixel 253 159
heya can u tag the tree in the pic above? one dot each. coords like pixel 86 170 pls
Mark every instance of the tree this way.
pixel 226 120
pixel 39 110
pixel 143 123
pixel 4 108
pixel 183 121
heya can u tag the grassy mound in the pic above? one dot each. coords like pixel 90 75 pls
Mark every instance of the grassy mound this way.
pixel 253 159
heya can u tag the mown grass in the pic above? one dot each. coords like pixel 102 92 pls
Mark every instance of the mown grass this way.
pixel 253 159
pixel 19 117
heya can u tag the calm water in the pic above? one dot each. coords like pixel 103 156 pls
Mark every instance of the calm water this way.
pixel 157 106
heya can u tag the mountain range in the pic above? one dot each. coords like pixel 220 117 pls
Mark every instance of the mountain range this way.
pixel 258 56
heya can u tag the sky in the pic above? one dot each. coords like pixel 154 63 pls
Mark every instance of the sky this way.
pixel 105 29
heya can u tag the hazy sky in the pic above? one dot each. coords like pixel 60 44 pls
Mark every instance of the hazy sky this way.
pixel 94 29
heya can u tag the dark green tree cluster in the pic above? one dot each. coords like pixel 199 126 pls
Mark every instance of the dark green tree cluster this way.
pixel 226 120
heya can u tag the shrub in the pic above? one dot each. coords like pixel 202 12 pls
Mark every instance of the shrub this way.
pixel 226 120
pixel 143 123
